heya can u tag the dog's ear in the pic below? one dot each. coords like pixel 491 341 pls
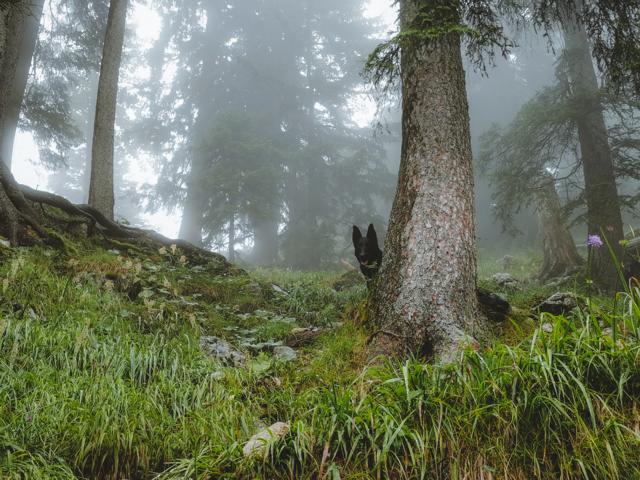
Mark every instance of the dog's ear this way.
pixel 371 235
pixel 356 236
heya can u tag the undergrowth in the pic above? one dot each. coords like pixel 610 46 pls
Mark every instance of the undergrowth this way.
pixel 101 376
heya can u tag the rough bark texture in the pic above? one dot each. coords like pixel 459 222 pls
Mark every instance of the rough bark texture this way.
pixel 560 252
pixel 101 194
pixel 19 223
pixel 424 296
pixel 603 207
pixel 13 81
pixel 11 18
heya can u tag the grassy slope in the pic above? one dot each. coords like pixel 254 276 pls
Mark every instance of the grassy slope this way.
pixel 94 385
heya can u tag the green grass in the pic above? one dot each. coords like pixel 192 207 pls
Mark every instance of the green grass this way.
pixel 96 385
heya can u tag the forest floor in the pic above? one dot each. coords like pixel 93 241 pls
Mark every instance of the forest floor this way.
pixel 108 370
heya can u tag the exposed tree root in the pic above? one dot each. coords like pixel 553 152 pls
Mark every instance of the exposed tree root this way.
pixel 22 224
pixel 17 217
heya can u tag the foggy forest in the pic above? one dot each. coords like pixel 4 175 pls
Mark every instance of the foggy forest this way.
pixel 337 239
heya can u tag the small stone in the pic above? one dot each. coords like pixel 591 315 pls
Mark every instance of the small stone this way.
pixel 284 353
pixel 547 328
pixel 607 331
pixel 558 304
pixel 114 251
pixel 5 243
pixel 505 280
pixel 252 288
pixel 278 289
pixel 221 350
pixel 258 443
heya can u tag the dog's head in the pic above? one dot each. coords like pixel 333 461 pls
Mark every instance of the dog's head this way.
pixel 367 251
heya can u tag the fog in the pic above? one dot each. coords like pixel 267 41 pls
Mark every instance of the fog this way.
pixel 252 122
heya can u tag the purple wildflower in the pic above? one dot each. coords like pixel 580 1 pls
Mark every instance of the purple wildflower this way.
pixel 594 241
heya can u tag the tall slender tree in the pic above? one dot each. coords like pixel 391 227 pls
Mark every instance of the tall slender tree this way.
pixel 101 194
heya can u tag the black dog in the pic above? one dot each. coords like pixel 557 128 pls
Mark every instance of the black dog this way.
pixel 367 251
pixel 369 257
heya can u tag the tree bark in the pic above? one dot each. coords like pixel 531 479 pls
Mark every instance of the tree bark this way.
pixel 101 195
pixel 11 21
pixel 424 295
pixel 13 80
pixel 560 252
pixel 604 217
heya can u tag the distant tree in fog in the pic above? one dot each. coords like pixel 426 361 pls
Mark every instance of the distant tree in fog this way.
pixel 291 66
pixel 544 137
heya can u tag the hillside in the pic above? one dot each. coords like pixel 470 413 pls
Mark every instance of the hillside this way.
pixel 108 369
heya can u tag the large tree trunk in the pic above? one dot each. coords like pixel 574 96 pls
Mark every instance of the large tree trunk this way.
pixel 11 21
pixel 424 296
pixel 13 79
pixel 560 253
pixel 19 223
pixel 101 195
pixel 603 207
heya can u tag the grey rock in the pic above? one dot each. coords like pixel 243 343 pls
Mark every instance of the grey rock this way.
pixel 505 280
pixel 278 289
pixel 284 353
pixel 222 350
pixel 259 442
pixel 252 288
pixel 547 328
pixel 559 303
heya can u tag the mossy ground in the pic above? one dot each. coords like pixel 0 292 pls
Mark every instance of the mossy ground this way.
pixel 101 376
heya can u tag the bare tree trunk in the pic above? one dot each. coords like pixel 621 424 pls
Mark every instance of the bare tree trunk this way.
pixel 424 296
pixel 101 195
pixel 265 249
pixel 231 255
pixel 192 213
pixel 22 43
pixel 560 253
pixel 603 207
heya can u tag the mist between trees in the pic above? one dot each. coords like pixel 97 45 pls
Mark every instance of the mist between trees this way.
pixel 251 125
